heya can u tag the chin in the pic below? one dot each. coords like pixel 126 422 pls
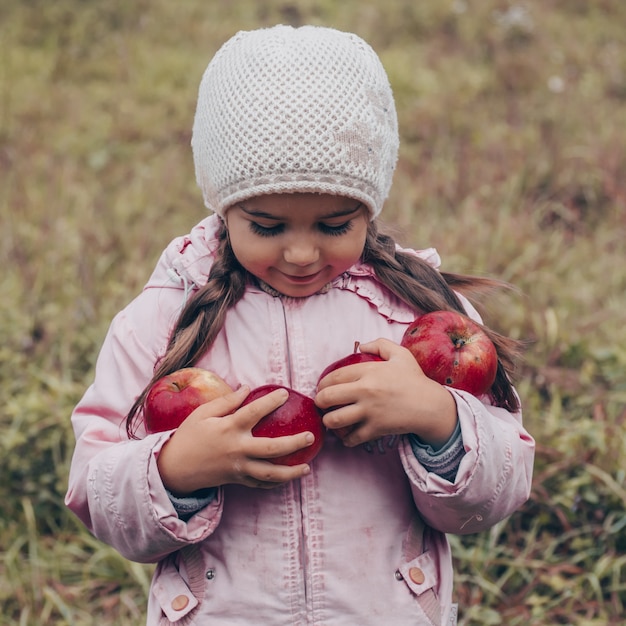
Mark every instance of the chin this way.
pixel 292 290
pixel 300 292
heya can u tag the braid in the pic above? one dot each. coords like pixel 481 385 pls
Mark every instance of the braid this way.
pixel 200 321
pixel 409 277
pixel 424 288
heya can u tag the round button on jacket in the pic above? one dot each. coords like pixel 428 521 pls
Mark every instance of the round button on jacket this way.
pixel 180 602
pixel 417 575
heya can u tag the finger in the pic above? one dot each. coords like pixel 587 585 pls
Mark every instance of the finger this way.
pixel 361 433
pixel 339 393
pixel 391 351
pixel 266 475
pixel 384 348
pixel 222 406
pixel 342 433
pixel 273 447
pixel 346 417
pixel 250 414
pixel 352 439
pixel 346 374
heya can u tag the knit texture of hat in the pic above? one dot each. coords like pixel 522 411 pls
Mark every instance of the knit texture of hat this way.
pixel 283 110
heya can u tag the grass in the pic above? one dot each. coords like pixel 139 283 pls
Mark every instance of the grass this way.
pixel 513 164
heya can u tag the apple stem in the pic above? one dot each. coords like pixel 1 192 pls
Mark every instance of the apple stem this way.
pixel 356 346
pixel 459 343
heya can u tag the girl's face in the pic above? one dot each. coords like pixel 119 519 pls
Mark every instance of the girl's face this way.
pixel 297 242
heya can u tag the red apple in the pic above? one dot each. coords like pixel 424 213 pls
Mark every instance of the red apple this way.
pixel 453 350
pixel 297 415
pixel 172 398
pixel 350 359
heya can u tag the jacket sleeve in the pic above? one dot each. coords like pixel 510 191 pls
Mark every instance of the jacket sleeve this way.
pixel 494 476
pixel 114 484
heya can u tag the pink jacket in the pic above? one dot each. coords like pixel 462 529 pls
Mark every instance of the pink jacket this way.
pixel 360 540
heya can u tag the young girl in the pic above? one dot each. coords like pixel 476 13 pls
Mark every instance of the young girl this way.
pixel 295 142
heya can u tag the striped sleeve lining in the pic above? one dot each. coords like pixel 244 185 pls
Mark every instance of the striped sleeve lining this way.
pixel 446 460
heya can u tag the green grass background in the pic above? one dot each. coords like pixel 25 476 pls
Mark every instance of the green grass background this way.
pixel 513 164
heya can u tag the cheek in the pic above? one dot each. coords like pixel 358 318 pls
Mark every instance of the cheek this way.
pixel 350 252
pixel 253 255
pixel 342 258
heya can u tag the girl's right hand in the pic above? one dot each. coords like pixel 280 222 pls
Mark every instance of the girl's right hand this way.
pixel 215 446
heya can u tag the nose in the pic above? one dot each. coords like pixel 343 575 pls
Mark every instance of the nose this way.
pixel 301 251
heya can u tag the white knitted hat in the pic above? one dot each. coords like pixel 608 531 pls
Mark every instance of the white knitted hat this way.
pixel 283 110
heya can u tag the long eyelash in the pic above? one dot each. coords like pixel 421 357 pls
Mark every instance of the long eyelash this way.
pixel 336 231
pixel 272 231
pixel 264 231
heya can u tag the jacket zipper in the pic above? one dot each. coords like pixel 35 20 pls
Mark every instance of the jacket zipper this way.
pixel 296 485
pixel 287 345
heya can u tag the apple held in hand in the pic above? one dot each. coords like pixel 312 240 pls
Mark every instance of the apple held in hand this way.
pixel 172 398
pixel 453 350
pixel 350 359
pixel 297 415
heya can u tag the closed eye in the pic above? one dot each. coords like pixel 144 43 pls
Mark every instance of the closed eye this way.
pixel 335 231
pixel 326 229
pixel 266 231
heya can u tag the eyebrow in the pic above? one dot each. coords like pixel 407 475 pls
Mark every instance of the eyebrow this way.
pixel 269 216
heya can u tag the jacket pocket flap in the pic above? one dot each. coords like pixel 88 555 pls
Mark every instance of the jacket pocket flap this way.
pixel 420 574
pixel 173 594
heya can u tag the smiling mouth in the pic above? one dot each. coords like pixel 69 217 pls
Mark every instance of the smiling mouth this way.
pixel 302 279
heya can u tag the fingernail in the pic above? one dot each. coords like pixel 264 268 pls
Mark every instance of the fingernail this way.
pixel 310 438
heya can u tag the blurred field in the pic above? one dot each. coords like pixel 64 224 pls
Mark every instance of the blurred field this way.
pixel 513 117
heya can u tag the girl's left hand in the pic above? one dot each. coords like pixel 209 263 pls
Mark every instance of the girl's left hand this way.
pixel 389 397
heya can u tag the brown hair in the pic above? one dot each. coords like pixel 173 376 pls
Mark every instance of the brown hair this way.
pixel 409 277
